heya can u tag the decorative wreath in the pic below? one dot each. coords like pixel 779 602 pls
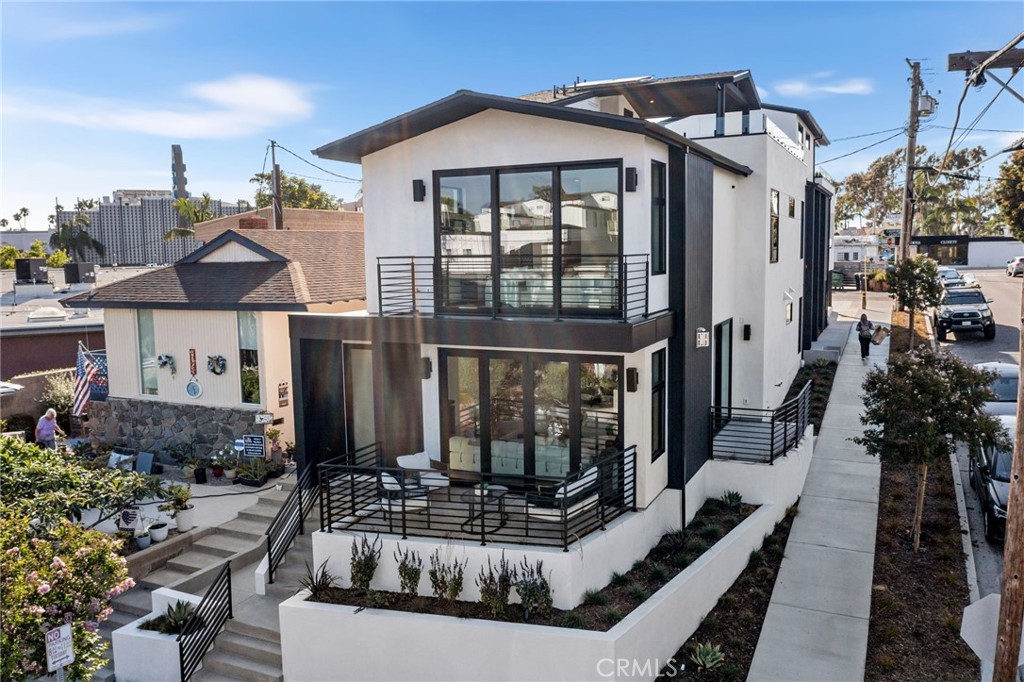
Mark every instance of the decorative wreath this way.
pixel 216 364
pixel 168 362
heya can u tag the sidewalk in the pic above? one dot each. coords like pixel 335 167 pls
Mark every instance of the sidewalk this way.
pixel 816 627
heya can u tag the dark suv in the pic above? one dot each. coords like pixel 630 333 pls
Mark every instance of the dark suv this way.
pixel 990 477
pixel 963 310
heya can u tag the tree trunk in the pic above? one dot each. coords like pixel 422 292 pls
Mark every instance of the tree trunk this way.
pixel 1011 606
pixel 922 482
pixel 910 345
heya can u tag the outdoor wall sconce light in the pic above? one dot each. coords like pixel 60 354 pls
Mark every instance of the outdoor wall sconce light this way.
pixel 630 179
pixel 419 190
pixel 746 332
pixel 632 379
pixel 427 367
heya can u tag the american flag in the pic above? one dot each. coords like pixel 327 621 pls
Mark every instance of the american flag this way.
pixel 83 382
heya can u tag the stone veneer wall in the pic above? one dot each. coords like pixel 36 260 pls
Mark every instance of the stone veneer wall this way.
pixel 151 426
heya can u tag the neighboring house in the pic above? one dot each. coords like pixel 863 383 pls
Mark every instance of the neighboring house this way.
pixel 23 239
pixel 293 219
pixel 225 305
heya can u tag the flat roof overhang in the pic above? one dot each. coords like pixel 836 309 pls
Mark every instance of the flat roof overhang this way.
pixel 585 336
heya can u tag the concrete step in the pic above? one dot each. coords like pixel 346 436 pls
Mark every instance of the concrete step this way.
pixel 251 648
pixel 252 630
pixel 166 576
pixel 246 529
pixel 227 663
pixel 260 513
pixel 105 674
pixel 138 600
pixel 222 545
pixel 116 620
pixel 190 562
pixel 206 675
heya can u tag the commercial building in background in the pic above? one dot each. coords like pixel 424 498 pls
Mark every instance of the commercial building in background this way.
pixel 131 226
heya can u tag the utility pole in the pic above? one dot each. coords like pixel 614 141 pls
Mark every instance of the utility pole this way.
pixel 278 211
pixel 1011 604
pixel 908 188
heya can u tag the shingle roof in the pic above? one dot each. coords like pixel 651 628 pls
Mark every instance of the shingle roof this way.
pixel 303 268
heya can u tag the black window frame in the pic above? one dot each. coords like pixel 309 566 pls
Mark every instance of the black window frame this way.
pixel 659 218
pixel 659 403
pixel 773 226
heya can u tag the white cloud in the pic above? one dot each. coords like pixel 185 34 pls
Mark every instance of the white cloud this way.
pixel 232 107
pixel 762 92
pixel 816 87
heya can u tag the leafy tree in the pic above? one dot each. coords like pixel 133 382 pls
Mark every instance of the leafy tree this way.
pixel 7 255
pixel 73 235
pixel 1009 193
pixel 59 393
pixel 4 223
pixel 20 216
pixel 915 283
pixel 875 193
pixel 944 202
pixel 920 407
pixel 58 259
pixel 37 249
pixel 192 212
pixel 295 192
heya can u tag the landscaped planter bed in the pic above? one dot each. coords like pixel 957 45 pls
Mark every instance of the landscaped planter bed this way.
pixel 442 647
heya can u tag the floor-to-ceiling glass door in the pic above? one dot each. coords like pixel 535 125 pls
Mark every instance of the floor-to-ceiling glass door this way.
pixel 589 210
pixel 359 412
pixel 723 364
pixel 527 240
pixel 519 414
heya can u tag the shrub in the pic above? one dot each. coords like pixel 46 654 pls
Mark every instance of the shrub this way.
pixel 410 568
pixel 636 593
pixel 496 585
pixel 59 393
pixel 573 620
pixel 712 533
pixel 594 598
pixel 365 557
pixel 611 616
pixel 732 499
pixel 659 573
pixel 446 580
pixel 707 656
pixel 319 583
pixel 533 589
pixel 619 579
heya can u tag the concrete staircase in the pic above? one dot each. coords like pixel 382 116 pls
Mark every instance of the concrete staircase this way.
pixel 249 647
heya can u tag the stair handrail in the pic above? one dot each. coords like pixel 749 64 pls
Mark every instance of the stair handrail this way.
pixel 205 623
pixel 290 520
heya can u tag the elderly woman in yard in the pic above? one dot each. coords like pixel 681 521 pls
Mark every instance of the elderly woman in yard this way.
pixel 47 430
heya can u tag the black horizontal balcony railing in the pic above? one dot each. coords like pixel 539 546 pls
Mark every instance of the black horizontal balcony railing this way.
pixel 609 286
pixel 358 495
pixel 754 435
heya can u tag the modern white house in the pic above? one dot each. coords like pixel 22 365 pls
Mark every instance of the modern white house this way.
pixel 593 299
pixel 199 348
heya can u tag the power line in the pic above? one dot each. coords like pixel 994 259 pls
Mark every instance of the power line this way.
pixel 319 168
pixel 857 151
pixel 877 132
pixel 980 130
pixel 312 177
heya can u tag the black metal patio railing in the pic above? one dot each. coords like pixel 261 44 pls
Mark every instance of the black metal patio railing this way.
pixel 205 623
pixel 359 495
pixel 754 435
pixel 607 287
pixel 290 519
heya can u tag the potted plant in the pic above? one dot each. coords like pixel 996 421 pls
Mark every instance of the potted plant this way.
pixel 274 436
pixel 226 461
pixel 178 504
pixel 253 473
pixel 274 469
pixel 142 538
pixel 158 531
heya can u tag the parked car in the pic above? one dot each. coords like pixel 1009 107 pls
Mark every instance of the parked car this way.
pixel 1015 267
pixel 950 277
pixel 990 478
pixel 1005 387
pixel 970 280
pixel 963 309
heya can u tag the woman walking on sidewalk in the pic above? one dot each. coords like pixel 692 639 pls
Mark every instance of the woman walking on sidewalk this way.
pixel 864 331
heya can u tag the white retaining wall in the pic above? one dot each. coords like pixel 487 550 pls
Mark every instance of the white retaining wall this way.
pixel 587 565
pixel 144 656
pixel 394 645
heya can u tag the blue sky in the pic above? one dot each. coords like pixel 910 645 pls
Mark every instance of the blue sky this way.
pixel 95 94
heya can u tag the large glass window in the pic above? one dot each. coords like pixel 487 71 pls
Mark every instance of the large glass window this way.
pixel 248 356
pixel 773 229
pixel 147 353
pixel 658 218
pixel 557 238
pixel 657 404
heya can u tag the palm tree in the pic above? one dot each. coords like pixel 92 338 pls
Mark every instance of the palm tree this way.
pixel 73 235
pixel 192 213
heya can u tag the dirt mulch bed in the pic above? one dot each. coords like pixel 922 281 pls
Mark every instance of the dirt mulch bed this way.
pixel 821 374
pixel 601 609
pixel 735 622
pixel 918 598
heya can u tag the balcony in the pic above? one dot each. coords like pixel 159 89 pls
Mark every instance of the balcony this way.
pixel 759 436
pixel 571 286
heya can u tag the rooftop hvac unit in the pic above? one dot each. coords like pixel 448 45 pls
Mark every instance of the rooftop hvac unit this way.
pixel 28 270
pixel 80 273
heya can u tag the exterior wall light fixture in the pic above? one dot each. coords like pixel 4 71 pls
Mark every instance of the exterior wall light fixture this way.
pixel 631 180
pixel 632 379
pixel 427 367
pixel 419 190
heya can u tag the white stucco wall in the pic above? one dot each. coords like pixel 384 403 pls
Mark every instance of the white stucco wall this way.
pixel 232 252
pixel 994 254
pixel 398 226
